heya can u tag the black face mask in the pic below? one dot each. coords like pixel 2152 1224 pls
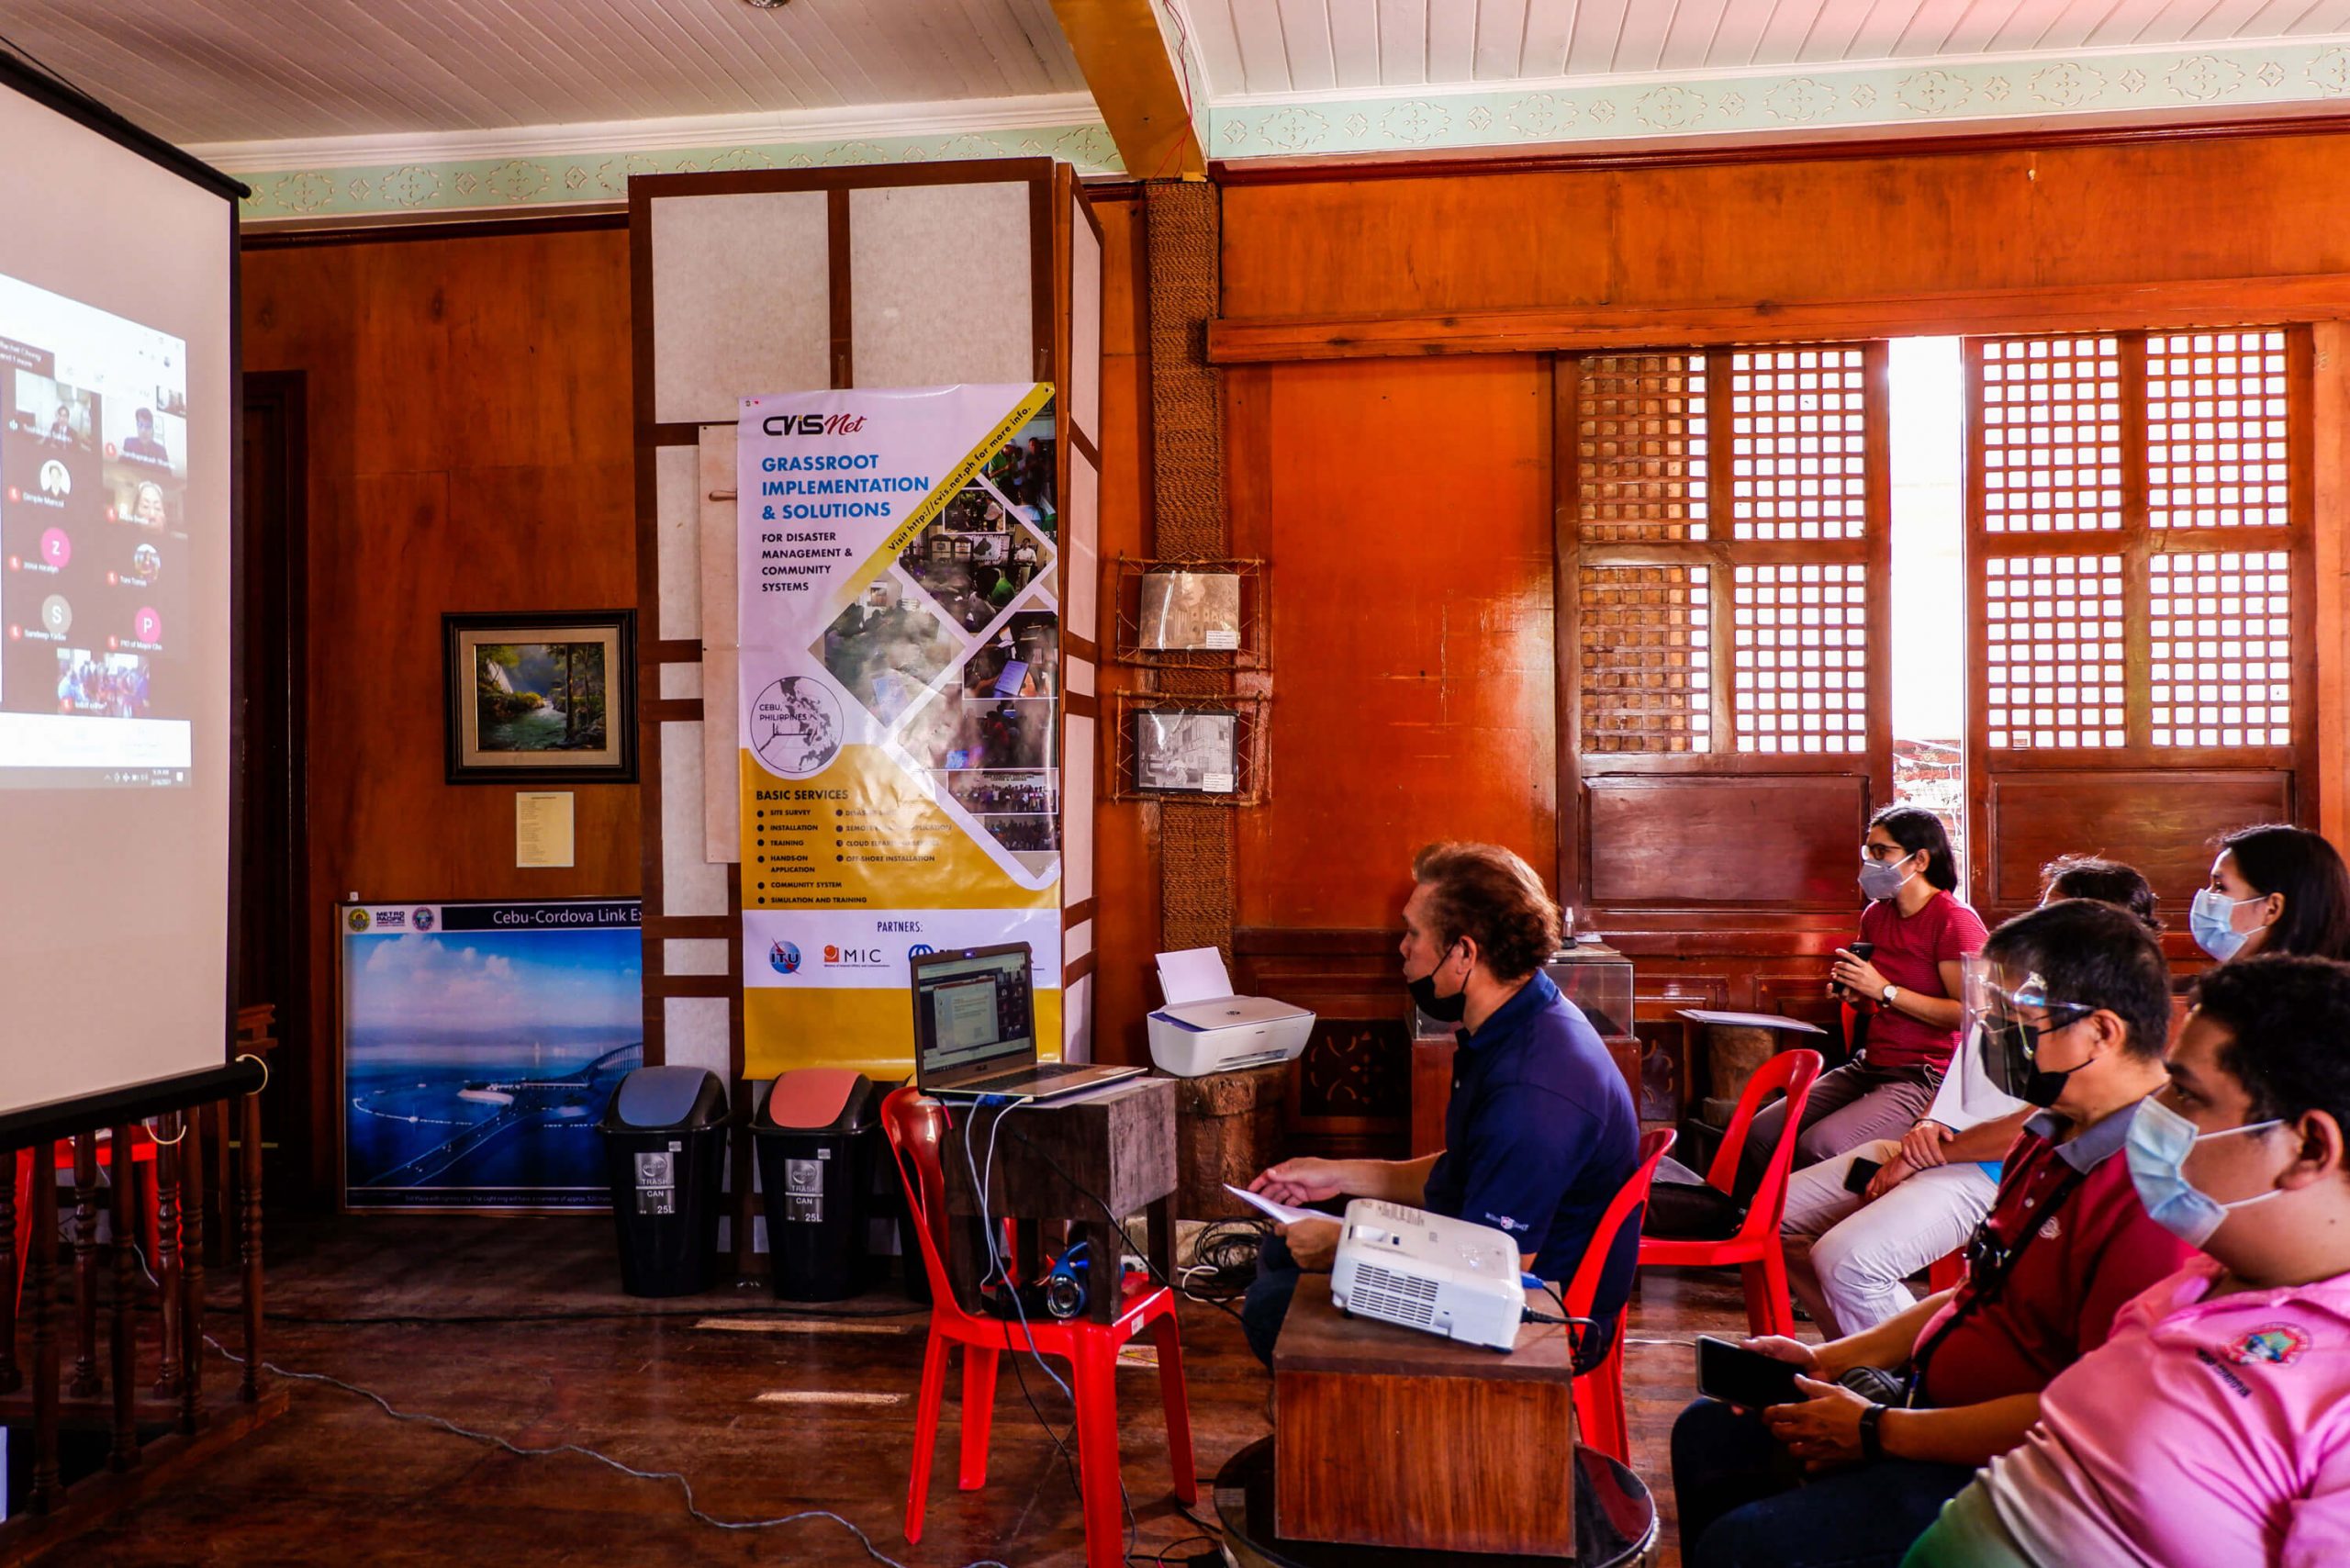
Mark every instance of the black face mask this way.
pixel 1443 1009
pixel 2010 1059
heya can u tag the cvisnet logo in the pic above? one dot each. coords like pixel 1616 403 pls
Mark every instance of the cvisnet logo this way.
pixel 812 424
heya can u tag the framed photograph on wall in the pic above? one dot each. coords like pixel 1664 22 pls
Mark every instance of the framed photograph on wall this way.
pixel 541 698
pixel 1190 610
pixel 1186 751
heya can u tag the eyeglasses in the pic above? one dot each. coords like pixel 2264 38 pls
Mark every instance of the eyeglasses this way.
pixel 1883 853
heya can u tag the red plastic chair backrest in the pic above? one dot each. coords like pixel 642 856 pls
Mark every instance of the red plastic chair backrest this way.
pixel 915 1126
pixel 1794 1072
pixel 1631 1197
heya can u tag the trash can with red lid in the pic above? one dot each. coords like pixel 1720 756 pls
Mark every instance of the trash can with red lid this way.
pixel 818 1136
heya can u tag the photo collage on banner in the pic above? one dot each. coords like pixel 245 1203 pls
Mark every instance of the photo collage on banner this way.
pixel 900 648
pixel 480 1043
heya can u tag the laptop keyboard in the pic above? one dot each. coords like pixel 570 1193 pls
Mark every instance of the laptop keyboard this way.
pixel 1043 1072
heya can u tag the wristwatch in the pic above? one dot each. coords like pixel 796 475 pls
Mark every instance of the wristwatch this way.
pixel 1888 995
pixel 1872 1440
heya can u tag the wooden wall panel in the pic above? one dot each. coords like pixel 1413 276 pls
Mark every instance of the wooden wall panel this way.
pixel 1788 843
pixel 1335 247
pixel 1787 230
pixel 2163 823
pixel 1406 513
pixel 1125 849
pixel 469 449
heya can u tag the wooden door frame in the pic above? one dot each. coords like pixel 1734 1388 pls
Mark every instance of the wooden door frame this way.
pixel 277 536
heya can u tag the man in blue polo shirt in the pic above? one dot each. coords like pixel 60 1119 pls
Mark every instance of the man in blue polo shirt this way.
pixel 1539 1134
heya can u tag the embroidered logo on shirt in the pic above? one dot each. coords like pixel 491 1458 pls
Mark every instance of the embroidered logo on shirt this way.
pixel 1505 1223
pixel 2278 1344
pixel 2053 1229
pixel 2226 1376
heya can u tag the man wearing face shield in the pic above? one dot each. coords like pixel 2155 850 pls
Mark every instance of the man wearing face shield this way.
pixel 2213 1427
pixel 1539 1132
pixel 2071 1005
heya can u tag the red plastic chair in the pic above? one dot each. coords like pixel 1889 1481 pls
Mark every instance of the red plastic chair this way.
pixel 1599 1393
pixel 1755 1247
pixel 914 1124
pixel 142 1152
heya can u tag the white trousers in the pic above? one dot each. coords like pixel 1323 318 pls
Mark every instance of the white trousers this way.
pixel 1847 1260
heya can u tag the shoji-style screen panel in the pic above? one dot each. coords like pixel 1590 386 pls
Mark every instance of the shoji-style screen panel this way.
pixel 1641 447
pixel 1723 538
pixel 2138 526
pixel 742 294
pixel 1798 443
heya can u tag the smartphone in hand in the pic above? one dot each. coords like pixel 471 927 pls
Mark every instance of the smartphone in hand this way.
pixel 1861 1174
pixel 1864 951
pixel 1737 1375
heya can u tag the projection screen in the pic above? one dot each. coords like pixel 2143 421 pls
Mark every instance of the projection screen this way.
pixel 117 523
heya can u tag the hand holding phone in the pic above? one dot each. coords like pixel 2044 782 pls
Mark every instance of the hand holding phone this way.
pixel 1864 951
pixel 1737 1375
pixel 1861 1172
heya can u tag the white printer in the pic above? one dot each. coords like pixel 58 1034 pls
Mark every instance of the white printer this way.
pixel 1429 1272
pixel 1205 1028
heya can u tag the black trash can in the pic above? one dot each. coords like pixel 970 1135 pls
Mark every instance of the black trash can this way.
pixel 665 1150
pixel 819 1136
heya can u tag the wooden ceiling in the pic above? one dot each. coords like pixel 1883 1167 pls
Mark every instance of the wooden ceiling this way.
pixel 239 71
pixel 1283 47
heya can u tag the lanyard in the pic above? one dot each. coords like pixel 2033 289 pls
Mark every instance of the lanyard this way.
pixel 1984 1285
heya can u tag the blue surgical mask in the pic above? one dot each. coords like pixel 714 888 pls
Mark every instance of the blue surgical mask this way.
pixel 1880 882
pixel 2208 921
pixel 2156 1148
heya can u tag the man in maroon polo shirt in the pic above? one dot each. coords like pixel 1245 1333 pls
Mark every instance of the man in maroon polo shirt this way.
pixel 2074 1020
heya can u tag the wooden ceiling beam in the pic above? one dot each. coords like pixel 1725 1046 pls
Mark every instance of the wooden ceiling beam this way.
pixel 1137 85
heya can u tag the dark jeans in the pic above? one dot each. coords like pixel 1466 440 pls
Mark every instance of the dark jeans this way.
pixel 1266 1306
pixel 1746 1504
pixel 1266 1303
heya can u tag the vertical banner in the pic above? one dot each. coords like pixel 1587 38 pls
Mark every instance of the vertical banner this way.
pixel 901 668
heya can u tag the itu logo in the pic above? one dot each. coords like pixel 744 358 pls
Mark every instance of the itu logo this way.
pixel 920 950
pixel 785 957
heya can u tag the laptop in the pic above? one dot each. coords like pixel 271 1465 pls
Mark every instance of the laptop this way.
pixel 975 1030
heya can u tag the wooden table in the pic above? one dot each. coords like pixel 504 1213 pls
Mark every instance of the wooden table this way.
pixel 1390 1437
pixel 1090 1161
pixel 1615 1523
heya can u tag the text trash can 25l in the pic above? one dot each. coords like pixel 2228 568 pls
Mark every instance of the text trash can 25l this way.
pixel 665 1150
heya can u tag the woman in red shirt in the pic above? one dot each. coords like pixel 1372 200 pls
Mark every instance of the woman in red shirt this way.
pixel 1909 983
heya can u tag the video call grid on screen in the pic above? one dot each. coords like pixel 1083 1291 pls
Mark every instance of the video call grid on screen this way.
pixel 93 442
pixel 973 1010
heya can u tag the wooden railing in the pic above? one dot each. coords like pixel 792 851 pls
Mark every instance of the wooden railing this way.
pixel 156 1186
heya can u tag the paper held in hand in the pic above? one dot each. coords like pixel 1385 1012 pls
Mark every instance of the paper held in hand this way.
pixel 1280 1214
pixel 1752 1020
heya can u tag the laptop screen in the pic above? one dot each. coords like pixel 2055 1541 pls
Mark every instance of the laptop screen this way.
pixel 971 1009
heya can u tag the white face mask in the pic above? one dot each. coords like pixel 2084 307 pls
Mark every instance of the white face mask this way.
pixel 2156 1148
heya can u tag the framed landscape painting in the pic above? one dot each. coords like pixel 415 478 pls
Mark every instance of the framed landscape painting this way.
pixel 547 698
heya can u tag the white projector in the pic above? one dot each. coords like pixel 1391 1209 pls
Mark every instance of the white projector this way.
pixel 1423 1270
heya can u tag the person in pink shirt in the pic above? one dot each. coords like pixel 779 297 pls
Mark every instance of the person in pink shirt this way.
pixel 2213 1425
